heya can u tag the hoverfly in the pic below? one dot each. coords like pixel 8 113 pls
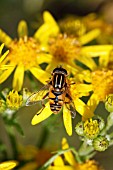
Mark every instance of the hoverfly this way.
pixel 56 91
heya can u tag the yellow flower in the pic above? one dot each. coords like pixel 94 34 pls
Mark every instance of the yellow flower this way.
pixel 8 165
pixel 24 53
pixel 65 49
pixel 102 86
pixel 72 25
pixel 92 21
pixel 14 100
pixel 69 161
pixel 101 74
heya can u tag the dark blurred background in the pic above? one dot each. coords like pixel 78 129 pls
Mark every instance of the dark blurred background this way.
pixel 11 12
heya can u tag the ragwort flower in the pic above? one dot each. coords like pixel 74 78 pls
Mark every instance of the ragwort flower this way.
pixel 64 49
pixel 101 74
pixel 25 52
pixel 92 21
pixel 69 162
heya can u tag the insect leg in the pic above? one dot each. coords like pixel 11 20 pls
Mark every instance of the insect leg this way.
pixel 44 97
pixel 42 102
pixel 70 105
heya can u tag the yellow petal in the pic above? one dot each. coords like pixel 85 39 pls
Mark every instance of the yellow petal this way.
pixel 104 60
pixel 8 165
pixel 93 102
pixel 67 120
pixel 68 155
pixel 22 29
pixel 49 27
pixel 51 66
pixel 5 67
pixel 18 78
pixel 48 18
pixel 4 56
pixel 6 74
pixel 40 74
pixel 58 161
pixel 83 87
pixel 83 109
pixel 86 38
pixel 4 38
pixel 44 58
pixel 89 62
pixel 46 112
pixel 1 47
pixel 96 50
pixel 66 167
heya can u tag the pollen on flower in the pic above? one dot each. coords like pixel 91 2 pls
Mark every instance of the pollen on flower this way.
pixel 91 128
pixel 102 81
pixel 14 100
pixel 64 48
pixel 23 51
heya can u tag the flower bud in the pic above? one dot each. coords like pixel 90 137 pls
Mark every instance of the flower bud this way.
pixel 79 128
pixel 14 100
pixel 2 105
pixel 100 143
pixel 91 128
pixel 109 121
pixel 109 103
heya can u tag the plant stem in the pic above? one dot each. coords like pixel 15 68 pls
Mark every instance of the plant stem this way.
pixel 12 141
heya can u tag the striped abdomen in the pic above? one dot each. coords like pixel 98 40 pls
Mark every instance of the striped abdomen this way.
pixel 56 100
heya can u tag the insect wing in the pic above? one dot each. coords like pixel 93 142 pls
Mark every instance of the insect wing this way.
pixel 38 96
pixel 71 107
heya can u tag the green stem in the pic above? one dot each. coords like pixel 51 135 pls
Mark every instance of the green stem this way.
pixel 85 149
pixel 76 155
pixel 12 141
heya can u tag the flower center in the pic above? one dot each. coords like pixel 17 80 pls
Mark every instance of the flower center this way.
pixel 91 128
pixel 24 51
pixel 102 81
pixel 64 48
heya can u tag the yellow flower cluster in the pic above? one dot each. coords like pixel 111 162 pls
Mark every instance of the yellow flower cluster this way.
pixel 54 45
